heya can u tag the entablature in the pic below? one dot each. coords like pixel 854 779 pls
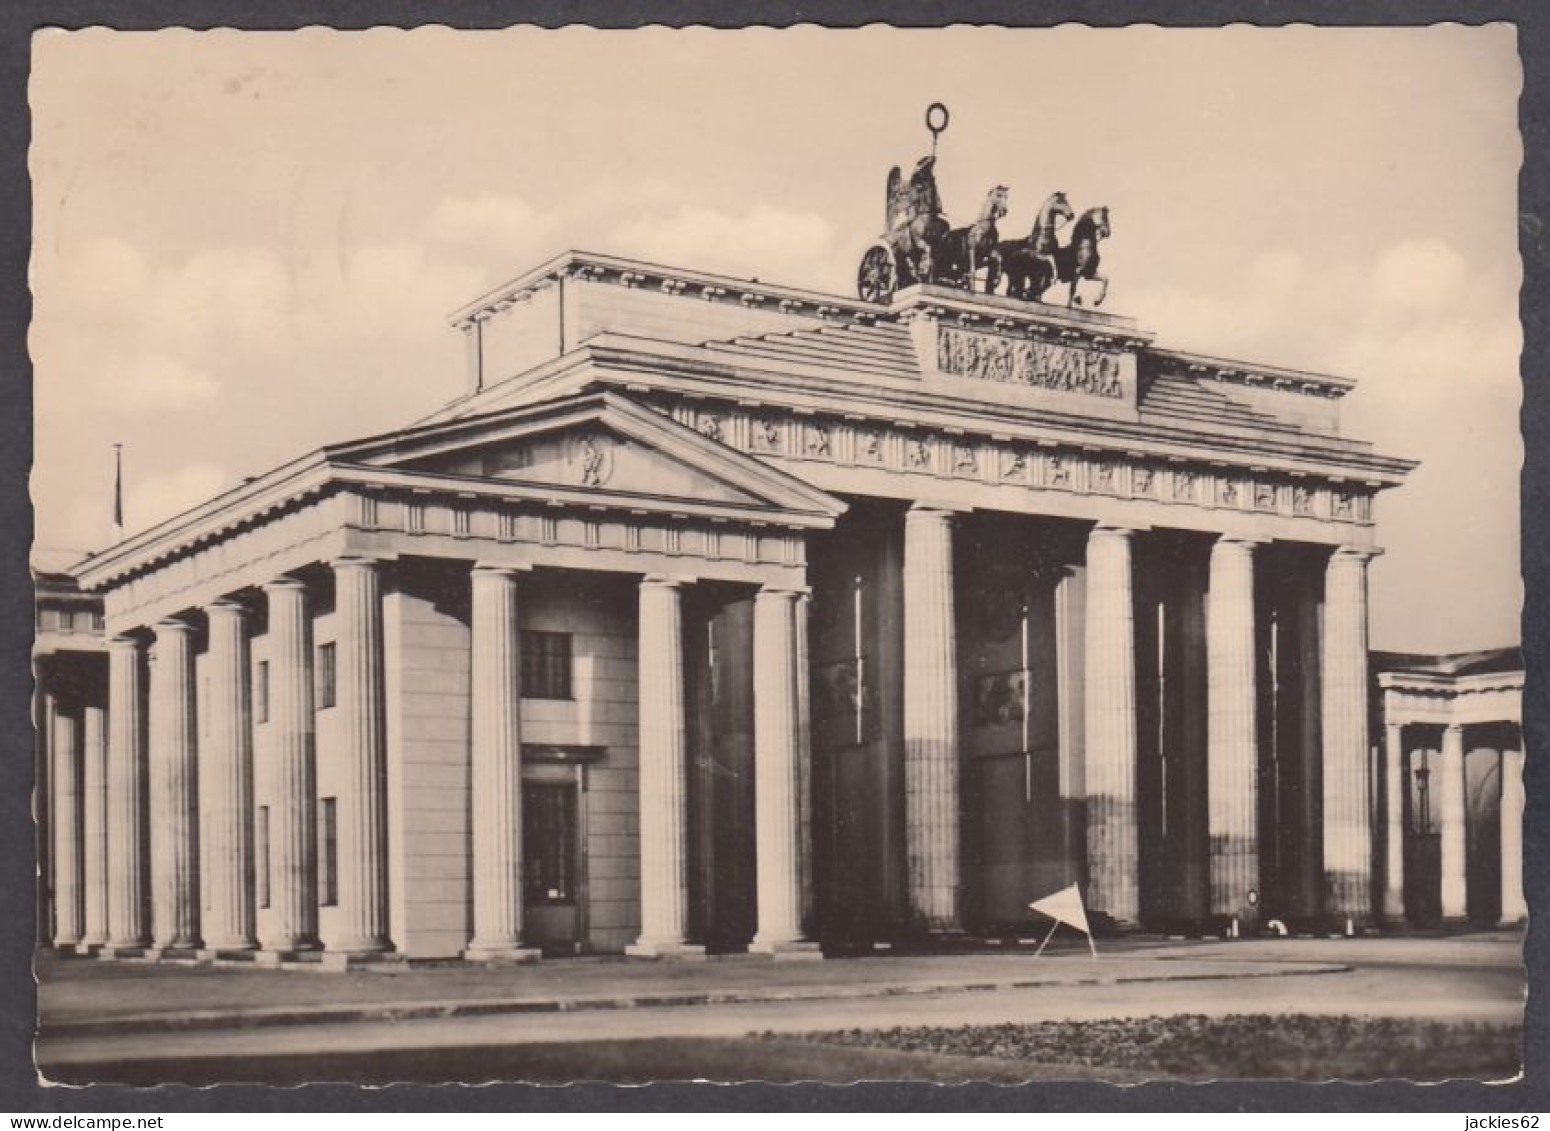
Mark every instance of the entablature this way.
pixel 1424 698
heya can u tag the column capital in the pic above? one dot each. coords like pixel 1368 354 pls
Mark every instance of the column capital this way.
pixel 1113 530
pixel 1393 725
pixel 353 560
pixel 501 569
pixel 1239 541
pixel 124 643
pixel 172 626
pixel 284 583
pixel 1362 554
pixel 936 508
pixel 783 592
pixel 666 580
pixel 1453 728
pixel 225 606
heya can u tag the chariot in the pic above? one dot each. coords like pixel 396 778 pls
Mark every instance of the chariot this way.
pixel 918 245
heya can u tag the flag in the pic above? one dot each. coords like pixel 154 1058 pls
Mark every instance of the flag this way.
pixel 118 488
pixel 1065 906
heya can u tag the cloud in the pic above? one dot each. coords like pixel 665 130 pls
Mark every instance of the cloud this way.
pixel 490 221
pixel 156 382
pixel 160 496
pixel 1435 351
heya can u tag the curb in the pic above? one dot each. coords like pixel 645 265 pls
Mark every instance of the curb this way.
pixel 196 1020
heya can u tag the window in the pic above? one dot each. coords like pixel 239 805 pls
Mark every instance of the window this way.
pixel 328 851
pixel 324 677
pixel 261 692
pixel 261 854
pixel 548 843
pixel 546 665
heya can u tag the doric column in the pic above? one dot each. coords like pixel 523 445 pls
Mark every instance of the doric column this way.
pixel 664 864
pixel 359 703
pixel 69 890
pixel 1394 822
pixel 127 880
pixel 1450 814
pixel 293 831
pixel 931 718
pixel 1112 844
pixel 805 758
pixel 1514 909
pixel 174 785
pixel 1347 815
pixel 94 838
pixel 496 751
pixel 226 784
pixel 1232 731
pixel 777 725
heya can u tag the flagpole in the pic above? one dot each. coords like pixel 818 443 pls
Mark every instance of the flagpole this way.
pixel 1047 938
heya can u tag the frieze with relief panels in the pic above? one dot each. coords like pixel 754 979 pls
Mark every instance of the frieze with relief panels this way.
pixel 862 443
pixel 1032 362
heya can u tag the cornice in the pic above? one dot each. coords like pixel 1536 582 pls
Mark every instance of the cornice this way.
pixel 635 273
pixel 786 384
pixel 1253 374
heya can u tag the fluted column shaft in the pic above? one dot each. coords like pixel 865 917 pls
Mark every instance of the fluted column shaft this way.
pixel 1394 822
pixel 94 837
pixel 496 741
pixel 359 702
pixel 226 784
pixel 664 863
pixel 1232 731
pixel 1347 814
pixel 69 890
pixel 777 770
pixel 931 718
pixel 293 833
pixel 174 785
pixel 1514 909
pixel 805 757
pixel 1450 812
pixel 1112 838
pixel 127 879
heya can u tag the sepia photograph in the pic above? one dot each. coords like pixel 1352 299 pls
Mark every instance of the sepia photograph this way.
pixel 947 555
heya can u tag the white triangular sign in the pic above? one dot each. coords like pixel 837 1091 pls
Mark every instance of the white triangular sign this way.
pixel 1065 906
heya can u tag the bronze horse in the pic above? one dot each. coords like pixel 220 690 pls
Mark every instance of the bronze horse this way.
pixel 1030 263
pixel 963 251
pixel 1079 259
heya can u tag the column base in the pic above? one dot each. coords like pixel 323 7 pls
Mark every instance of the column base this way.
pixel 337 960
pixel 276 957
pixel 787 950
pixel 122 950
pixel 503 955
pixel 682 951
pixel 176 954
pixel 227 952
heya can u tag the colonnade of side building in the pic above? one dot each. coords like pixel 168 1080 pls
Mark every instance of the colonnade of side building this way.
pixel 151 774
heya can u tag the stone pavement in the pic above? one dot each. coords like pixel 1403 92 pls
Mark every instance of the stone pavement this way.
pixel 85 997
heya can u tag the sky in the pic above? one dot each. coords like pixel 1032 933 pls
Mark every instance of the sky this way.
pixel 246 243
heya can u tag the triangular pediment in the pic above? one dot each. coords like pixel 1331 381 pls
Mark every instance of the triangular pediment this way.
pixel 600 442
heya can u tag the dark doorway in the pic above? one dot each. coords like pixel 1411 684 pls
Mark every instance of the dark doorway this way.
pixel 552 883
